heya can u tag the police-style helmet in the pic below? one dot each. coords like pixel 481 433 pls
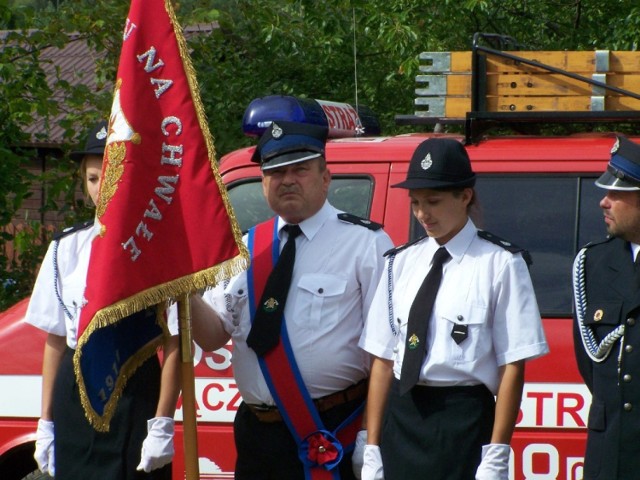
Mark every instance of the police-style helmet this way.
pixel 95 144
pixel 439 163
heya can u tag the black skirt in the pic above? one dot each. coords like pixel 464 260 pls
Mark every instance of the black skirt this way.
pixel 81 452
pixel 436 432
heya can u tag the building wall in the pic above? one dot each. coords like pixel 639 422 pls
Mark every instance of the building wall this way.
pixel 31 210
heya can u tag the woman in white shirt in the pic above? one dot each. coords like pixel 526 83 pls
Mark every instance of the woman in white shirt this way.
pixel 140 436
pixel 454 416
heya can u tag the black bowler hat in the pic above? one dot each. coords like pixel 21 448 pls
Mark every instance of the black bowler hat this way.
pixel 95 144
pixel 285 143
pixel 439 163
pixel 623 170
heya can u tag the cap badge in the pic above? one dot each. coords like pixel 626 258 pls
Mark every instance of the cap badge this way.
pixel 413 342
pixel 616 146
pixel 426 162
pixel 101 134
pixel 597 316
pixel 276 131
pixel 270 305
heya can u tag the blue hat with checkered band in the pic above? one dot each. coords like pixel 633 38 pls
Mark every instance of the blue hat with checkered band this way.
pixel 623 170
pixel 285 143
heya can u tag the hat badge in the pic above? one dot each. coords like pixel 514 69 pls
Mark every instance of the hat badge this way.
pixel 101 134
pixel 426 162
pixel 616 146
pixel 276 131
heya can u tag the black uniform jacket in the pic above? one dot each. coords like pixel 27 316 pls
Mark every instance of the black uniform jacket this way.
pixel 613 298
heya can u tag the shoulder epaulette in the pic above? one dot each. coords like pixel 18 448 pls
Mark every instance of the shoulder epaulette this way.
pixel 66 231
pixel 395 250
pixel 506 244
pixel 363 222
pixel 598 242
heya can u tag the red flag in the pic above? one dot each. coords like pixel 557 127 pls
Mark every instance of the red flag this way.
pixel 166 224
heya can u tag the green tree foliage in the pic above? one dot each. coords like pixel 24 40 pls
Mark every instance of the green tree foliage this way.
pixel 306 48
pixel 360 51
pixel 30 96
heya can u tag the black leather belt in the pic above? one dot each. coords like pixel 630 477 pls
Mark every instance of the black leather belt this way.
pixel 270 414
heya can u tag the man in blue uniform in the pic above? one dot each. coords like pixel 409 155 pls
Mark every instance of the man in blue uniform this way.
pixel 607 341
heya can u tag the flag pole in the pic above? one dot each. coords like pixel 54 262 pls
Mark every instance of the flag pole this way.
pixel 188 391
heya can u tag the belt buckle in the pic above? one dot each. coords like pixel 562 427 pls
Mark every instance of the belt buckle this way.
pixel 263 408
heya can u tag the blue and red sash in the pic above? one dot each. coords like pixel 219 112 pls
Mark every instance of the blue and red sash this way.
pixel 318 449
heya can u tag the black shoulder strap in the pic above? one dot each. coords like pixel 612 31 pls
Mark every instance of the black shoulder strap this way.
pixel 363 222
pixel 599 242
pixel 506 244
pixel 69 230
pixel 395 250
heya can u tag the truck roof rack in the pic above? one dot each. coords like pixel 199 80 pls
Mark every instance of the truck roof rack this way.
pixel 489 87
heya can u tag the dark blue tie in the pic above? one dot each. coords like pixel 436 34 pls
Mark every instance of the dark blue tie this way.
pixel 265 330
pixel 415 347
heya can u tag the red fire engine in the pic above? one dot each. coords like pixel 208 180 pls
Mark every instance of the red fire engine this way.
pixel 536 190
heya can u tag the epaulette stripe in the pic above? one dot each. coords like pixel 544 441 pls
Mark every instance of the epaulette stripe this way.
pixel 506 244
pixel 598 242
pixel 395 250
pixel 363 222
pixel 68 230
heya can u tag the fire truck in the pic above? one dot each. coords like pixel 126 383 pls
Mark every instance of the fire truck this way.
pixel 535 190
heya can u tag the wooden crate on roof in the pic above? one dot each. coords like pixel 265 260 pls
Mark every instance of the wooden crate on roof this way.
pixel 527 81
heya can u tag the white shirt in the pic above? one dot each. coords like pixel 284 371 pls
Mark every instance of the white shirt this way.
pixel 45 310
pixel 484 287
pixel 336 271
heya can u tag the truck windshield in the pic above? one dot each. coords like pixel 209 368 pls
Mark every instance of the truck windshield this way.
pixel 351 194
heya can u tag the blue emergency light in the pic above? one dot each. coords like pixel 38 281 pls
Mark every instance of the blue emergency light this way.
pixel 342 119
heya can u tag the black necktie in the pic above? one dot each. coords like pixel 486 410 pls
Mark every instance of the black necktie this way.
pixel 265 330
pixel 415 346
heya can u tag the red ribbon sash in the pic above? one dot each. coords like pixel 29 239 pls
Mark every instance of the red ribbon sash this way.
pixel 319 450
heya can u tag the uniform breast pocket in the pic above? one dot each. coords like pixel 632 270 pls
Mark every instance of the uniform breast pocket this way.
pixel 467 332
pixel 73 301
pixel 603 317
pixel 235 298
pixel 319 301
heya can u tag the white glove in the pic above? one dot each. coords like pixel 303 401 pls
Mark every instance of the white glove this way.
pixel 372 467
pixel 357 459
pixel 157 448
pixel 44 454
pixel 495 462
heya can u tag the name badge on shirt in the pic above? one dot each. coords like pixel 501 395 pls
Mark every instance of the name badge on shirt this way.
pixel 459 333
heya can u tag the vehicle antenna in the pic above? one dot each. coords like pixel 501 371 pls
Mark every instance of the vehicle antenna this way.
pixel 359 127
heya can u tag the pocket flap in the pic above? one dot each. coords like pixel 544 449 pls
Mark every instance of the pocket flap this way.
pixel 322 285
pixel 466 314
pixel 603 314
pixel 238 287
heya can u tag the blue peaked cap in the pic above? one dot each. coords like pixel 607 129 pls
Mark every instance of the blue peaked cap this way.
pixel 623 170
pixel 286 143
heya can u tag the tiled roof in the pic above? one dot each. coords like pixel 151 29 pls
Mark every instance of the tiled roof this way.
pixel 76 62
